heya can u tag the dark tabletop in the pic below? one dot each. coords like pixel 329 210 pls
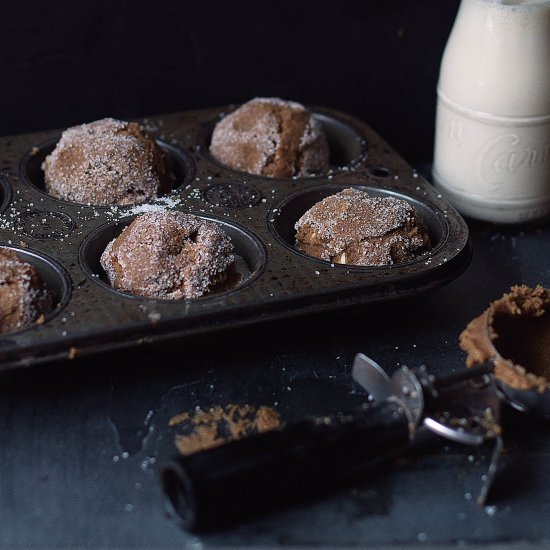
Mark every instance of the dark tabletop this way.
pixel 82 442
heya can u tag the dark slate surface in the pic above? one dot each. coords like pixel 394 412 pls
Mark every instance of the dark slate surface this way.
pixel 81 442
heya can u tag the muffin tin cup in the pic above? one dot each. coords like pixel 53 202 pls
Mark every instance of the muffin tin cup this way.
pixel 56 282
pixel 65 240
pixel 249 252
pixel 283 217
pixel 31 173
pixel 346 147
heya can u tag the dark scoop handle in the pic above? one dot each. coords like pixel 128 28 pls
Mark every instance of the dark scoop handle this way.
pixel 243 478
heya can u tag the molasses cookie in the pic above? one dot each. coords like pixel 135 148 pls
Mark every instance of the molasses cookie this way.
pixel 271 137
pixel 107 162
pixel 168 255
pixel 23 297
pixel 353 228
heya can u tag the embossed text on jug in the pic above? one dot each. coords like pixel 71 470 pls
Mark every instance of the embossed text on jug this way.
pixel 508 155
pixel 451 127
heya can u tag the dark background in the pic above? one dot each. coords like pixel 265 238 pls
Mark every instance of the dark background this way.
pixel 64 63
pixel 82 442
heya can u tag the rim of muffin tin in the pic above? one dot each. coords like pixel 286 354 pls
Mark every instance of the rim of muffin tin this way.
pixel 433 218
pixel 6 193
pixel 246 245
pixel 31 173
pixel 54 276
pixel 344 142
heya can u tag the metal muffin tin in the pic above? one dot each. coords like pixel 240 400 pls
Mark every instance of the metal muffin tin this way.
pixel 65 240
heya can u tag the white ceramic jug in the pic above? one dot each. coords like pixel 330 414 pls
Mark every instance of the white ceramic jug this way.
pixel 492 140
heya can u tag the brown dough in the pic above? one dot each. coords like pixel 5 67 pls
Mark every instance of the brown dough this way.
pixel 22 294
pixel 107 162
pixel 168 255
pixel 514 332
pixel 353 228
pixel 271 137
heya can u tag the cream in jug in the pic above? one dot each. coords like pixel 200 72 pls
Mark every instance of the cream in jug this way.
pixel 492 140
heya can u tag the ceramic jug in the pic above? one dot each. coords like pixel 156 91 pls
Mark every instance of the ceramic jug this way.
pixel 492 138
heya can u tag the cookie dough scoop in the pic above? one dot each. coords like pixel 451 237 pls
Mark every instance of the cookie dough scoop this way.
pixel 513 333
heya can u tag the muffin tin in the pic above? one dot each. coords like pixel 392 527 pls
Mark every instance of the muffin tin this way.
pixel 65 240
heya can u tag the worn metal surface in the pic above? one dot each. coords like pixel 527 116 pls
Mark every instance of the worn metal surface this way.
pixel 258 212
